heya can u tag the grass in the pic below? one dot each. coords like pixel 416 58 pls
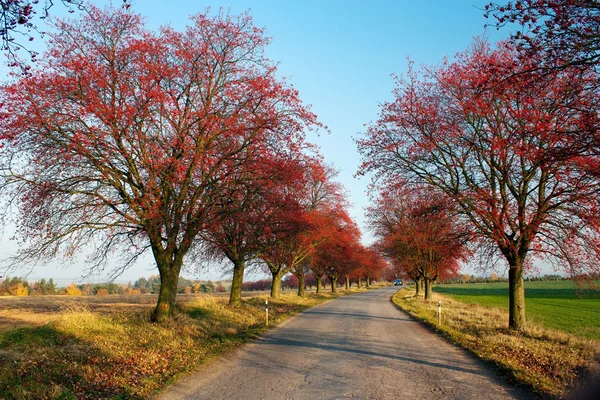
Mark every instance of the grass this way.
pixel 559 305
pixel 81 353
pixel 551 362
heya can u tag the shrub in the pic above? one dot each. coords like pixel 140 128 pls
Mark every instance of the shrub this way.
pixel 73 290
pixel 220 288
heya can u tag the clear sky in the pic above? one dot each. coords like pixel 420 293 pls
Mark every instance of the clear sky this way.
pixel 339 55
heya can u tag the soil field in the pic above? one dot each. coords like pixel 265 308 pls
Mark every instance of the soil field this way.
pixel 31 311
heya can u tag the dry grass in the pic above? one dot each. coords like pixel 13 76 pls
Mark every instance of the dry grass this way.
pixel 550 362
pixel 77 350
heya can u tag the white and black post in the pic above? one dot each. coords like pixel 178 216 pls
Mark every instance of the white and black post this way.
pixel 267 312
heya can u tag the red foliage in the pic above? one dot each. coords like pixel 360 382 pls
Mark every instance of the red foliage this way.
pixel 125 136
pixel 319 201
pixel 513 149
pixel 418 232
pixel 290 281
pixel 257 286
pixel 565 32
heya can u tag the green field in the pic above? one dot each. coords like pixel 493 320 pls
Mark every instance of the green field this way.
pixel 556 305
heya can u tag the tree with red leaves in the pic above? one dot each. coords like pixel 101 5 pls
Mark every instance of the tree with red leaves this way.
pixel 417 229
pixel 336 254
pixel 371 265
pixel 125 138
pixel 253 211
pixel 565 32
pixel 319 200
pixel 325 197
pixel 506 150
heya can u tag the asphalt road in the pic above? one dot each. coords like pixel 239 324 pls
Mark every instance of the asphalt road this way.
pixel 356 347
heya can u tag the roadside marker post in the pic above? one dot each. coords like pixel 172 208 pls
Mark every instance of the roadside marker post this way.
pixel 267 312
pixel 439 312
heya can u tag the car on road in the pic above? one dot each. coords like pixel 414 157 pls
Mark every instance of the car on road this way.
pixel 398 282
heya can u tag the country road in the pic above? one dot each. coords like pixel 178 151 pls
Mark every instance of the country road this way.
pixel 356 347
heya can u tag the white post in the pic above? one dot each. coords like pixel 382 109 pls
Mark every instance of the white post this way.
pixel 439 312
pixel 267 312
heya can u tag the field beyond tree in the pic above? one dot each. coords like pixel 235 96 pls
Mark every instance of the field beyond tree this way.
pixel 561 305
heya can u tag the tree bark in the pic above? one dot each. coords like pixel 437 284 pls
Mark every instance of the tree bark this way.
pixel 235 297
pixel 168 269
pixel 347 282
pixel 516 295
pixel 418 286
pixel 368 282
pixel 358 283
pixel 333 284
pixel 427 288
pixel 300 285
pixel 319 284
pixel 276 285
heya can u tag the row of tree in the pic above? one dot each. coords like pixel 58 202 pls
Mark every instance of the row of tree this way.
pixel 496 151
pixel 152 285
pixel 291 281
pixel 183 144
pixel 418 233
pixel 17 286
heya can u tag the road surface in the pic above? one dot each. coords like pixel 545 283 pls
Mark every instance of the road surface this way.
pixel 356 347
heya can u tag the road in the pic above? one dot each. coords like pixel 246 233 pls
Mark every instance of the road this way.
pixel 356 347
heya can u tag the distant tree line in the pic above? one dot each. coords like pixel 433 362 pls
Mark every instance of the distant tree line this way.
pixel 291 281
pixel 493 277
pixel 17 286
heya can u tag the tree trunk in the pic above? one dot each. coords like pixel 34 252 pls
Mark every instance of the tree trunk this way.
pixel 427 288
pixel 319 284
pixel 276 285
pixel 300 285
pixel 347 282
pixel 516 296
pixel 169 276
pixel 333 284
pixel 235 297
pixel 368 282
pixel 358 283
pixel 418 286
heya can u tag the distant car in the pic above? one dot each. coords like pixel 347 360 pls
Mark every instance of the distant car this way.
pixel 398 282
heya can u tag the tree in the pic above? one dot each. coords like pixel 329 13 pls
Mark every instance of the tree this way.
pixel 335 255
pixel 73 290
pixel 371 265
pixel 126 138
pixel 417 228
pixel 325 195
pixel 505 149
pixel 565 32
pixel 256 209
pixel 316 200
pixel 291 281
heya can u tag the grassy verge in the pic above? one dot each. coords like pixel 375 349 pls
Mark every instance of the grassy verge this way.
pixel 550 362
pixel 81 354
pixel 558 305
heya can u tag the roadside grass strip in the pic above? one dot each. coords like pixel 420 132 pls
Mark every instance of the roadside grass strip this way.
pixel 548 361
pixel 81 354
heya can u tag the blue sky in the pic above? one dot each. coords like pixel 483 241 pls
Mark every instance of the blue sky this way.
pixel 339 55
